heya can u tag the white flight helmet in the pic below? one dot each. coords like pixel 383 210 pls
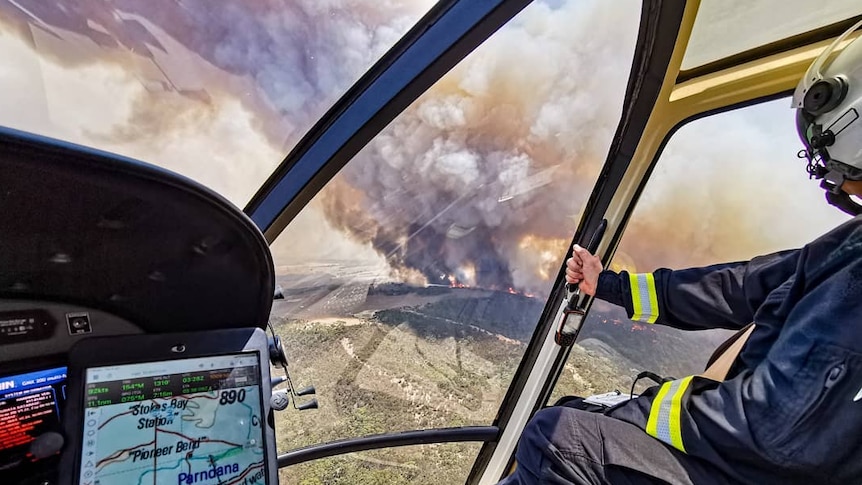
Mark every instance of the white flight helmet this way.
pixel 828 102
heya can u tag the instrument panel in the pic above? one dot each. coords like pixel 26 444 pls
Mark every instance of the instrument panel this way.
pixel 34 329
pixel 149 251
pixel 76 409
pixel 30 423
pixel 35 338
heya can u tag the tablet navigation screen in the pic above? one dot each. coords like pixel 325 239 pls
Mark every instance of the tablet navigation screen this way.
pixel 179 422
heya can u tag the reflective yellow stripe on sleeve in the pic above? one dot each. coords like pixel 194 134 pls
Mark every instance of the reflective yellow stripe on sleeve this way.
pixel 644 297
pixel 665 416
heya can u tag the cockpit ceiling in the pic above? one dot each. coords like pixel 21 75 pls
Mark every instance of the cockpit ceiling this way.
pixel 727 27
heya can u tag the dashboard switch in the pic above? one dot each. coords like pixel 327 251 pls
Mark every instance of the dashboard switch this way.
pixel 79 323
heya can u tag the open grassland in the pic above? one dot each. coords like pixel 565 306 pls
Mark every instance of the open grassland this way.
pixel 441 362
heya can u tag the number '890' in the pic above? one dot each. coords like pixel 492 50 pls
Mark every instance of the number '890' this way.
pixel 231 396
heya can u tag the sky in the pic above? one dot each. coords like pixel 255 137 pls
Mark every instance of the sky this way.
pixel 480 182
pixel 719 31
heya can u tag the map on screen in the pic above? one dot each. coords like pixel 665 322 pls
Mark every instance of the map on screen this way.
pixel 181 422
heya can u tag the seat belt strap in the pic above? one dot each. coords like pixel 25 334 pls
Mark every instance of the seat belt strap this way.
pixel 721 366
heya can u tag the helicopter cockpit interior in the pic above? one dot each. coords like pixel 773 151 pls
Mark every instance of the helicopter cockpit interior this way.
pixel 341 258
pixel 111 273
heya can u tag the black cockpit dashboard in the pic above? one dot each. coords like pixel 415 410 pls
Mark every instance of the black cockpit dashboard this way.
pixel 94 245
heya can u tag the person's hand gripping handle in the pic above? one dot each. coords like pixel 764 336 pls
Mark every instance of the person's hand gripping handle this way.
pixel 582 274
pixel 583 268
pixel 582 271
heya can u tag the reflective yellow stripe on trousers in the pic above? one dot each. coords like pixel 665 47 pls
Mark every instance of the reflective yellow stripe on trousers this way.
pixel 644 297
pixel 665 416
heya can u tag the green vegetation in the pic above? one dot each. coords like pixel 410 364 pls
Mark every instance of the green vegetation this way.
pixel 374 378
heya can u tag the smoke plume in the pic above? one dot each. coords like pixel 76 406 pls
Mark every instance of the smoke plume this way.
pixel 480 182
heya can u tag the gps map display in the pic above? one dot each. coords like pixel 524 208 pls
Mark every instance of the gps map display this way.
pixel 180 422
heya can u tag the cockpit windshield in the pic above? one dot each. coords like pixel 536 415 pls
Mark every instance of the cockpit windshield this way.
pixel 217 92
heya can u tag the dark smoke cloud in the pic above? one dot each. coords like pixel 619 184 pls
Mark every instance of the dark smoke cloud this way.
pixel 300 55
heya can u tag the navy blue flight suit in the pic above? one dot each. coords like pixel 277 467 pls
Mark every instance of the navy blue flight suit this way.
pixel 790 412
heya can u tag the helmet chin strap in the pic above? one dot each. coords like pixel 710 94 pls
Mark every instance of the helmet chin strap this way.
pixel 840 199
pixel 844 202
pixel 832 182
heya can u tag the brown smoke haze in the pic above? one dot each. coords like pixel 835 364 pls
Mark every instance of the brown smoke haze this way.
pixel 480 182
pixel 727 187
